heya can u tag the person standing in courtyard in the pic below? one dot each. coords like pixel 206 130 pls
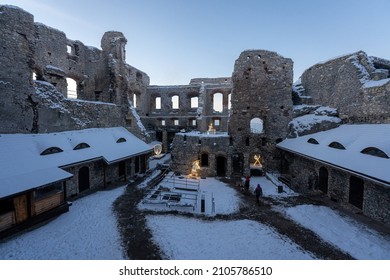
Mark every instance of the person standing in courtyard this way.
pixel 247 183
pixel 258 193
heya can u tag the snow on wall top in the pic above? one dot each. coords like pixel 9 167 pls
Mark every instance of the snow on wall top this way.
pixel 22 167
pixel 354 138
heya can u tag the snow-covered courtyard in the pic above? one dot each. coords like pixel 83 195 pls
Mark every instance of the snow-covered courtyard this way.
pixel 89 231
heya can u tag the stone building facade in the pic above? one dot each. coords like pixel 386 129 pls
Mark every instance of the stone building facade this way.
pixel 236 118
pixel 261 106
pixel 170 109
pixel 36 58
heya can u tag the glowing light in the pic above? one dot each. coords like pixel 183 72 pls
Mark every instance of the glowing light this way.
pixel 157 149
pixel 211 129
pixel 195 168
pixel 257 160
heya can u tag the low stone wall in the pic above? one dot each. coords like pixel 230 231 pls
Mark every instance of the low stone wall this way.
pixel 305 178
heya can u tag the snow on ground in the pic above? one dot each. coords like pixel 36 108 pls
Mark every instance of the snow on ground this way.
pixel 218 197
pixel 191 239
pixel 359 241
pixel 87 232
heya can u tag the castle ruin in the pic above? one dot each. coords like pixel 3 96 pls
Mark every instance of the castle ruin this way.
pixel 233 126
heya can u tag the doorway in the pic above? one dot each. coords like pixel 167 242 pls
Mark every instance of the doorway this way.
pixel 83 178
pixel 356 191
pixel 221 166
pixel 323 180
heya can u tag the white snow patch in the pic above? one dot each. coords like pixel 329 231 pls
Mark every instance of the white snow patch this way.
pixel 87 232
pixel 191 239
pixel 359 241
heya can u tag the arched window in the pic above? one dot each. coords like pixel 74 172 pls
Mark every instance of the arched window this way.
pixel 256 126
pixel 312 141
pixel 194 102
pixel 51 150
pixel 337 145
pixel 218 102
pixel 121 140
pixel 158 103
pixel 71 88
pixel 81 146
pixel 175 102
pixel 372 151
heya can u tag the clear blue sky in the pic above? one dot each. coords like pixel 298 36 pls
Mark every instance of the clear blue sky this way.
pixel 176 40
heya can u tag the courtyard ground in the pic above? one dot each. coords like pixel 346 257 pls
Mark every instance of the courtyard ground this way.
pixel 110 224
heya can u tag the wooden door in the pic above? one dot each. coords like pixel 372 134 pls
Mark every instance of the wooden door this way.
pixel 21 208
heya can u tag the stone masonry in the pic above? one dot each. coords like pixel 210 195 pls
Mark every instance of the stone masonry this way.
pixel 37 59
pixel 262 83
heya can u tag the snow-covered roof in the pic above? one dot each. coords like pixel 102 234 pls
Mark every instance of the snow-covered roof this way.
pixel 22 167
pixel 355 139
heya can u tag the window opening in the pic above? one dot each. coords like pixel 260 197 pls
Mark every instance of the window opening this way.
pixel 175 102
pixel 135 100
pixel 194 102
pixel 163 122
pixel 71 88
pixel 193 122
pixel 372 151
pixel 256 126
pixel 229 101
pixel 81 146
pixel 158 103
pixel 312 141
pixel 337 145
pixel 176 122
pixel 51 150
pixel 218 102
pixel 121 140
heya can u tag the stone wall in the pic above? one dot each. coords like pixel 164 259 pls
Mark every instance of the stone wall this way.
pixel 35 51
pixel 262 86
pixel 189 147
pixel 353 85
pixel 165 120
pixel 304 175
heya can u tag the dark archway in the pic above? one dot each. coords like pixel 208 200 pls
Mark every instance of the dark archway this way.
pixel 237 164
pixel 356 191
pixel 221 166
pixel 323 180
pixel 122 169
pixel 83 178
pixel 204 160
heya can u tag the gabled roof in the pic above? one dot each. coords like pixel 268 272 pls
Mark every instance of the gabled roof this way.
pixel 22 167
pixel 355 139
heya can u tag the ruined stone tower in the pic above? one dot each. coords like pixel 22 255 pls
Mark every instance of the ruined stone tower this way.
pixel 261 107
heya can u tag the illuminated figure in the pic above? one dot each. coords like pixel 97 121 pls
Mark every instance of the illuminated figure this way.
pixel 195 168
pixel 211 129
pixel 257 160
pixel 157 149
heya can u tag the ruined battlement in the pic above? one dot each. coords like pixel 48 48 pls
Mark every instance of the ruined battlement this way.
pixel 32 52
pixel 353 84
